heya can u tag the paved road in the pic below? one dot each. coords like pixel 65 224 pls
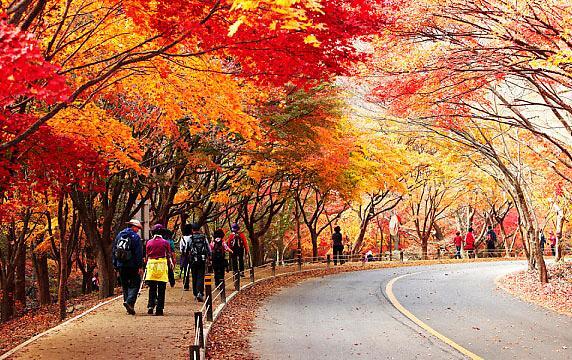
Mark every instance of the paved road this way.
pixel 348 316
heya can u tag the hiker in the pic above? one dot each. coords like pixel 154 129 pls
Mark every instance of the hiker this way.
pixel 198 251
pixel 185 272
pixel 95 282
pixel 470 243
pixel 219 248
pixel 157 270
pixel 167 235
pixel 127 258
pixel 552 240
pixel 542 242
pixel 368 257
pixel 491 241
pixel 239 246
pixel 458 240
pixel 337 245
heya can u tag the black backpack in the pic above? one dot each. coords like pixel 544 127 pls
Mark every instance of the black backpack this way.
pixel 197 249
pixel 236 243
pixel 218 252
pixel 123 248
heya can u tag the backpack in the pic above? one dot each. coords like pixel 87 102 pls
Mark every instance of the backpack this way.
pixel 197 248
pixel 236 242
pixel 337 239
pixel 218 252
pixel 123 251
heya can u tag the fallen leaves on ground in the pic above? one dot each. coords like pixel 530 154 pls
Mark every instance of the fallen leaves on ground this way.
pixel 556 295
pixel 39 320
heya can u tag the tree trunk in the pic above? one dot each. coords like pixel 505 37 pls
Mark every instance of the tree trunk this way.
pixel 424 245
pixel 361 235
pixel 40 262
pixel 20 282
pixel 7 307
pixel 63 278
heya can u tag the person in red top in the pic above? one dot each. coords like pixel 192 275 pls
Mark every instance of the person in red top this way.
pixel 239 246
pixel 552 240
pixel 470 243
pixel 458 240
pixel 157 248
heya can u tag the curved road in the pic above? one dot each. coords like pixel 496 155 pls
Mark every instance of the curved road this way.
pixel 349 316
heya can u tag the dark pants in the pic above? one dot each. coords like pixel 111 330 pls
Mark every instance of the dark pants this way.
pixel 130 282
pixel 490 250
pixel 156 294
pixel 198 275
pixel 218 269
pixel 471 253
pixel 553 249
pixel 237 259
pixel 458 253
pixel 338 250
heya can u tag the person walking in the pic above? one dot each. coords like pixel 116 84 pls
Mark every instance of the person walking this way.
pixel 219 248
pixel 337 245
pixel 491 241
pixel 458 240
pixel 127 259
pixel 156 274
pixel 239 246
pixel 167 235
pixel 185 253
pixel 552 240
pixel 542 242
pixel 199 251
pixel 470 243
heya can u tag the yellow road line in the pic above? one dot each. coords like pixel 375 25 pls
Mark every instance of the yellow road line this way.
pixel 415 319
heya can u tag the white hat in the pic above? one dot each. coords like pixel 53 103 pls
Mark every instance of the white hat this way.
pixel 135 222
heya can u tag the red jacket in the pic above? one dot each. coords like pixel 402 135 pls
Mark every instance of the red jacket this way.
pixel 458 240
pixel 242 237
pixel 469 241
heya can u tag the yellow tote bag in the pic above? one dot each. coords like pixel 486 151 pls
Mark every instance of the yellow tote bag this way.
pixel 157 270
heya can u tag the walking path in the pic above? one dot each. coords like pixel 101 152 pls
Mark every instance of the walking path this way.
pixel 349 316
pixel 109 333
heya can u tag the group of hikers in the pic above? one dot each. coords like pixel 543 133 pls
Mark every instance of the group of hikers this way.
pixel 468 243
pixel 154 261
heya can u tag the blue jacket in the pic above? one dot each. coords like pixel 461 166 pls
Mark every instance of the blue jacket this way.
pixel 136 260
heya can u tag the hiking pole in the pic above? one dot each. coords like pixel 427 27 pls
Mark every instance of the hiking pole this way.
pixel 142 282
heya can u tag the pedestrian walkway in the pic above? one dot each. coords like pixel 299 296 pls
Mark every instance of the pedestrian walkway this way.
pixel 109 333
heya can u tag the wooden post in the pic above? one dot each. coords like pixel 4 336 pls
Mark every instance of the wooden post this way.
pixel 300 260
pixel 199 323
pixel 223 291
pixel 252 274
pixel 328 260
pixel 401 255
pixel 195 352
pixel 236 280
pixel 209 296
pixel 273 268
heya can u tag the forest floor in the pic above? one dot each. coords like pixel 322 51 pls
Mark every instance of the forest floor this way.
pixel 556 295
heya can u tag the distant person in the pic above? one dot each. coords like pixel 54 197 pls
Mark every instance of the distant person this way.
pixel 337 245
pixel 239 246
pixel 127 259
pixel 157 271
pixel 470 243
pixel 199 251
pixel 219 248
pixel 185 264
pixel 542 242
pixel 491 241
pixel 458 240
pixel 552 240
pixel 95 282
pixel 368 257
